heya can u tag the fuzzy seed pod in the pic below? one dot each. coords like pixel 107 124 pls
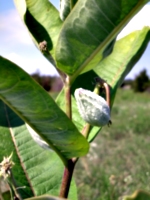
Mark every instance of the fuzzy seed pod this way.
pixel 92 107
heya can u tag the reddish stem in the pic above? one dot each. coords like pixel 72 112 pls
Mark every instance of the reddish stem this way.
pixel 68 171
pixel 67 177
pixel 107 89
pixel 85 130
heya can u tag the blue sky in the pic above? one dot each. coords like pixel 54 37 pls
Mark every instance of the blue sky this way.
pixel 17 45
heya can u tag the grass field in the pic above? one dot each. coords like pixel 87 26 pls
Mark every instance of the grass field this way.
pixel 119 159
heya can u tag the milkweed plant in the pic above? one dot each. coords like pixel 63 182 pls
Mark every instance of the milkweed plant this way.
pixel 47 137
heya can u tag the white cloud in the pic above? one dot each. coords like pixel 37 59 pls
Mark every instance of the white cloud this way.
pixel 12 29
pixel 141 19
pixel 31 65
pixel 14 58
pixel 17 46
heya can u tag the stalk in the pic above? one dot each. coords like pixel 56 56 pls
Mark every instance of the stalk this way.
pixel 102 83
pixel 13 184
pixel 69 167
pixel 68 98
pixel 86 130
pixel 66 180
pixel 107 89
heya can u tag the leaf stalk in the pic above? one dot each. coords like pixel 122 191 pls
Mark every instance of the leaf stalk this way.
pixel 68 98
pixel 66 180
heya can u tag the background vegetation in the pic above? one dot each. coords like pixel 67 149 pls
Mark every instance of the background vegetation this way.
pixel 140 83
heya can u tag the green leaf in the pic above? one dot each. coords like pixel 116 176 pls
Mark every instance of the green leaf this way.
pixel 7 146
pixel 138 195
pixel 127 51
pixel 42 20
pixel 89 29
pixel 34 105
pixel 36 171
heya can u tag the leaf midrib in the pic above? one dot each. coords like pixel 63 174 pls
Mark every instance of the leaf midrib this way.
pixel 45 139
pixel 17 152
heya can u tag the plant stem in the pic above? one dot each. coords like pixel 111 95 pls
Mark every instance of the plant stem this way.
pixel 69 167
pixel 68 98
pixel 85 130
pixel 107 89
pixel 17 196
pixel 67 177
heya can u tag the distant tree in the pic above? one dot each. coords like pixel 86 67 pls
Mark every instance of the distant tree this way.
pixel 141 82
pixel 48 82
pixel 126 82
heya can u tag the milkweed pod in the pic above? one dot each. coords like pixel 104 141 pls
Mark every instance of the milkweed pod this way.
pixel 37 138
pixel 92 107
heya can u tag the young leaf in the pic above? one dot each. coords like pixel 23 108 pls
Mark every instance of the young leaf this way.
pixel 22 94
pixel 42 20
pixel 36 171
pixel 127 51
pixel 88 30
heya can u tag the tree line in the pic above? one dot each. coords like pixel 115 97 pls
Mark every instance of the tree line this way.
pixel 48 82
pixel 141 82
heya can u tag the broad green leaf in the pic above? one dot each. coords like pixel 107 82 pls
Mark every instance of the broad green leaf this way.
pixel 138 195
pixel 34 105
pixel 127 51
pixel 42 20
pixel 36 171
pixel 89 29
pixel 46 197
